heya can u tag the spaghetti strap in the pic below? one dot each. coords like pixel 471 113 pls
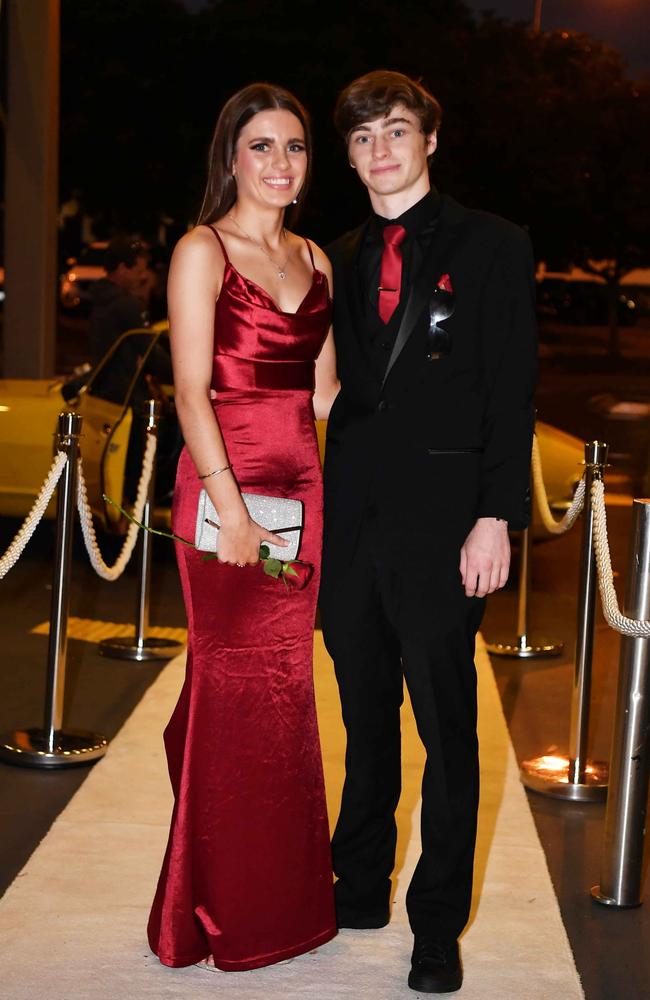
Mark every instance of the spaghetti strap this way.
pixel 221 243
pixel 311 252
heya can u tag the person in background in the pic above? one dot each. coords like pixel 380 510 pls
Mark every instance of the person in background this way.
pixel 120 303
pixel 120 300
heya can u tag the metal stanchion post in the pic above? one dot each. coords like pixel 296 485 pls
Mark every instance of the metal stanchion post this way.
pixel 621 873
pixel 523 647
pixel 143 647
pixel 51 746
pixel 575 777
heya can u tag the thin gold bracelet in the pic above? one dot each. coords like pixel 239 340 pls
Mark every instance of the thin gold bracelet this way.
pixel 216 472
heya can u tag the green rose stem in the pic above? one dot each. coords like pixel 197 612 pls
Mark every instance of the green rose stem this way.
pixel 272 567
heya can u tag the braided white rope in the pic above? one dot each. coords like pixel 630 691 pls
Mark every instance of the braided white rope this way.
pixel 28 527
pixel 571 515
pixel 106 572
pixel 615 619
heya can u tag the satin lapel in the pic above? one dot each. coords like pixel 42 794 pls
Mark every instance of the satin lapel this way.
pixel 436 261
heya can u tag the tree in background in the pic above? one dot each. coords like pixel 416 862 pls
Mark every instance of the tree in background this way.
pixel 557 138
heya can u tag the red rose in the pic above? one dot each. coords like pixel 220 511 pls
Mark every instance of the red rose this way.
pixel 298 574
pixel 445 283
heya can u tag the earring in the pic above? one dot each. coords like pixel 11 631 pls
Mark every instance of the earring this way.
pixel 295 201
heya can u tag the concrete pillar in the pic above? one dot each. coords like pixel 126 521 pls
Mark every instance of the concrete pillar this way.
pixel 31 188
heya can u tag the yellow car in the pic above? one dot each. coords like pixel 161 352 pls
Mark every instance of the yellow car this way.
pixel 110 399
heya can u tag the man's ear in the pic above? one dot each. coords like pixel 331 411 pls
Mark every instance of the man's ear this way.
pixel 431 143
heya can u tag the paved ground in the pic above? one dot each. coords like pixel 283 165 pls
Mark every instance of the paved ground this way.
pixel 611 948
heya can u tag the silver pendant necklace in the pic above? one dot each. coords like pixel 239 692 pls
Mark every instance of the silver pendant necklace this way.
pixel 282 272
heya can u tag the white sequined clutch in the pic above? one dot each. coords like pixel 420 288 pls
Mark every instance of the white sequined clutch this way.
pixel 281 515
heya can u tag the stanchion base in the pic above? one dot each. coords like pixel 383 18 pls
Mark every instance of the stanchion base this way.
pixel 29 748
pixel 125 647
pixel 524 648
pixel 549 775
pixel 598 897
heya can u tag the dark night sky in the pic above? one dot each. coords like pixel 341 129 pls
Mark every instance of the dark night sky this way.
pixel 623 24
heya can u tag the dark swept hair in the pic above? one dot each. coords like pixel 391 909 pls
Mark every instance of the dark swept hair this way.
pixel 123 250
pixel 373 95
pixel 221 188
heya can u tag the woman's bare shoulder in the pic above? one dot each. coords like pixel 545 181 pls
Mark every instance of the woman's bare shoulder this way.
pixel 321 260
pixel 197 241
pixel 320 257
pixel 198 248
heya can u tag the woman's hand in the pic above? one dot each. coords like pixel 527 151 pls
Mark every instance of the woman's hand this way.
pixel 240 540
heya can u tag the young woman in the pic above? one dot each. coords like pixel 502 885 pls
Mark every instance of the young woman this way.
pixel 247 878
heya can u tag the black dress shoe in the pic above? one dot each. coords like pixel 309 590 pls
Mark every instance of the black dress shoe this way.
pixel 435 967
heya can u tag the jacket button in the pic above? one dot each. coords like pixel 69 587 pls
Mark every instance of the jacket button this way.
pixel 386 344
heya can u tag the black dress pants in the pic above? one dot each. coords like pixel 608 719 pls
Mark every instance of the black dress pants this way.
pixel 386 619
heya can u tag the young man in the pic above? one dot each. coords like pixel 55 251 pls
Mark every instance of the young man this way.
pixel 427 466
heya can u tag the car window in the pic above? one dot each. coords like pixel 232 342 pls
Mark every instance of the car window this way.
pixel 115 372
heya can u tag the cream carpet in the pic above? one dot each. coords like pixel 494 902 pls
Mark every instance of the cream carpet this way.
pixel 72 924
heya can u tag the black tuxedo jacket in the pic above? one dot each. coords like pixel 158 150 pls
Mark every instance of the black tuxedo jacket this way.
pixel 439 442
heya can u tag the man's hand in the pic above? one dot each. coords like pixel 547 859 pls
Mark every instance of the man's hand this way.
pixel 485 557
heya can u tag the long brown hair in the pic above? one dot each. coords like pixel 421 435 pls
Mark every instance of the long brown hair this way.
pixel 221 188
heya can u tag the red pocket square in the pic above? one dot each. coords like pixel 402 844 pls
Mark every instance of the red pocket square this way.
pixel 445 283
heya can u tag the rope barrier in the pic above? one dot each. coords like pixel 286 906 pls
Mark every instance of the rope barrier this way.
pixel 102 569
pixel 28 527
pixel 613 615
pixel 570 517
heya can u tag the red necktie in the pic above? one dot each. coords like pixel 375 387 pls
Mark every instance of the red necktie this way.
pixel 390 277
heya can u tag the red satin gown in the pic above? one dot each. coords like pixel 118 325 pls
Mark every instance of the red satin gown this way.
pixel 247 876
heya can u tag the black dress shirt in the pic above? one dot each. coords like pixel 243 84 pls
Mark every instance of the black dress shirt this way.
pixel 420 223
